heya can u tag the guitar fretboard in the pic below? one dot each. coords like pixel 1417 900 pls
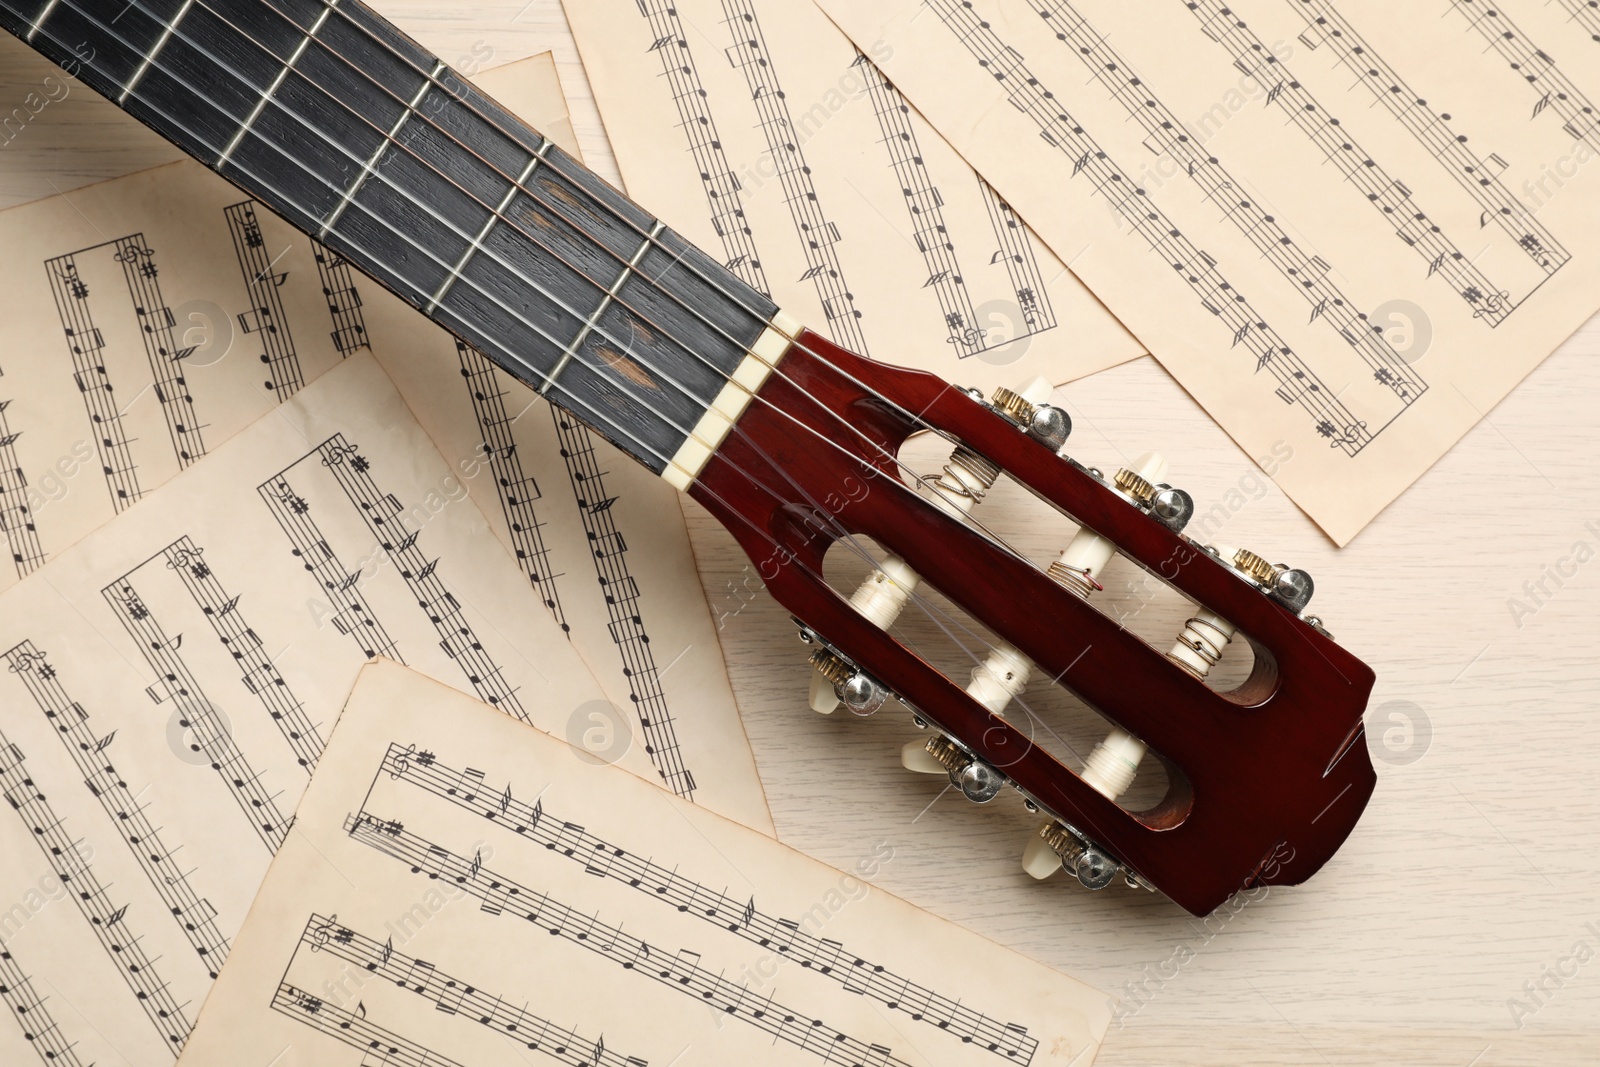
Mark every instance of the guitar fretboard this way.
pixel 325 113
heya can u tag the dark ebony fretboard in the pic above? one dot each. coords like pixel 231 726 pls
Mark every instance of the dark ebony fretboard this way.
pixel 325 112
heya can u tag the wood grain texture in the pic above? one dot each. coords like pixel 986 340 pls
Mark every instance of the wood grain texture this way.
pixel 1474 873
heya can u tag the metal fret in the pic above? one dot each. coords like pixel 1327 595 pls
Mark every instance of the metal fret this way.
pixel 372 164
pixel 593 322
pixel 277 83
pixel 477 242
pixel 315 102
pixel 150 57
pixel 51 6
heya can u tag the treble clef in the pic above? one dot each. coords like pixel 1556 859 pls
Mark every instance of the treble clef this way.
pixel 402 762
pixel 320 933
pixel 334 455
pixel 182 557
pixel 26 662
pixel 133 252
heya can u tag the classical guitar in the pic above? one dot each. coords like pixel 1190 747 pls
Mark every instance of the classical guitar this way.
pixel 326 113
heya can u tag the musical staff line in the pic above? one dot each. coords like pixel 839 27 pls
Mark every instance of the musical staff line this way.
pixel 1491 303
pixel 257 672
pixel 107 921
pixel 384 518
pixel 354 616
pixel 213 735
pixel 466 790
pixel 344 300
pixel 156 322
pixel 1432 130
pixel 818 236
pixel 381 1047
pixel 925 206
pixel 1556 92
pixel 1308 275
pixel 194 914
pixel 43 1034
pixel 1298 383
pixel 515 489
pixel 1021 262
pixel 266 318
pixel 627 630
pixel 85 343
pixel 680 972
pixel 721 186
pixel 1586 14
pixel 324 935
pixel 16 513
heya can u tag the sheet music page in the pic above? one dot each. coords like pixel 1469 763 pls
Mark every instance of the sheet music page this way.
pixel 169 685
pixel 600 539
pixel 757 130
pixel 1349 231
pixel 153 317
pixel 462 892
pixel 58 135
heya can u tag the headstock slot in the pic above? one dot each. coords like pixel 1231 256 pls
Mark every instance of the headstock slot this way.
pixel 951 641
pixel 1135 596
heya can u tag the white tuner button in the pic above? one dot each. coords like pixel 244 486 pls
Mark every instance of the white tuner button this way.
pixel 824 701
pixel 914 756
pixel 1038 858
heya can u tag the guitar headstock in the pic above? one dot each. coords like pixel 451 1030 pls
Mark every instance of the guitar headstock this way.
pixel 1265 780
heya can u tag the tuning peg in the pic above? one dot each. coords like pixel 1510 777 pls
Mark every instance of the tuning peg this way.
pixel 1054 847
pixel 977 780
pixel 837 681
pixel 1030 410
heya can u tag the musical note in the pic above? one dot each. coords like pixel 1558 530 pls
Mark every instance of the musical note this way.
pixel 118 800
pixel 199 714
pixel 823 956
pixel 449 994
pixel 1031 95
pixel 106 921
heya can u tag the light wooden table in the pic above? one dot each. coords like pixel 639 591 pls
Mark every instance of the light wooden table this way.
pixel 1472 877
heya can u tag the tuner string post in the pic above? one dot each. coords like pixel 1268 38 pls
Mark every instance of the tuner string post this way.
pixel 960 487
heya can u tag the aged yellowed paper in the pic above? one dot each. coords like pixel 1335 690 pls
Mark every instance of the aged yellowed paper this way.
pixel 151 318
pixel 1348 230
pixel 169 685
pixel 461 891
pixel 600 539
pixel 762 134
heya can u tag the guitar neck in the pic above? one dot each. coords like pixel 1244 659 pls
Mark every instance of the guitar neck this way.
pixel 326 113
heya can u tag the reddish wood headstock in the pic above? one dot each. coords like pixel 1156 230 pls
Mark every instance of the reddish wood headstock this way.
pixel 1267 781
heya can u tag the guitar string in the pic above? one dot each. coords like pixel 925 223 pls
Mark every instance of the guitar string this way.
pixel 649 238
pixel 933 611
pixel 344 14
pixel 936 614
